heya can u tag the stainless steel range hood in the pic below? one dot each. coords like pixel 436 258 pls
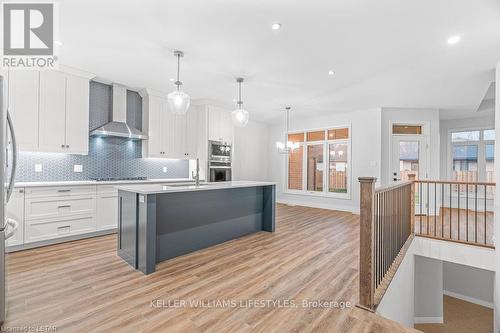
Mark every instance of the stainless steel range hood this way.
pixel 118 127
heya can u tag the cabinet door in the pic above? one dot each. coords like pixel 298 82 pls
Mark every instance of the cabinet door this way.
pixel 179 136
pixel 155 136
pixel 23 107
pixel 214 124
pixel 107 211
pixel 193 130
pixel 15 210
pixel 77 115
pixel 52 128
pixel 226 127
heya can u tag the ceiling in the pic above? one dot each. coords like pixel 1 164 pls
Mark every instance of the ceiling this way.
pixel 385 53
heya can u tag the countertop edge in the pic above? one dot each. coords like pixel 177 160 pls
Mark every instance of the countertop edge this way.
pixel 217 186
pixel 94 182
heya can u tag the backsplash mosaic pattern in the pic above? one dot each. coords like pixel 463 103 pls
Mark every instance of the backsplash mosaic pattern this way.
pixel 108 157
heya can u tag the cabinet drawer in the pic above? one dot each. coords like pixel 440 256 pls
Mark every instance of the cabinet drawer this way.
pixel 43 230
pixel 43 208
pixel 59 191
pixel 108 189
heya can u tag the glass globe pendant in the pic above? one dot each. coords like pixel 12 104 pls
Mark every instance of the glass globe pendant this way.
pixel 178 101
pixel 240 116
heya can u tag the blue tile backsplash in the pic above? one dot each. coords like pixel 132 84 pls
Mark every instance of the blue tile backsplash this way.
pixel 108 157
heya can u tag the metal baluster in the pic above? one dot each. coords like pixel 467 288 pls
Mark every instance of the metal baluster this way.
pixel 427 204
pixel 467 212
pixel 441 210
pixel 458 210
pixel 435 211
pixel 485 187
pixel 450 211
pixel 420 212
pixel 475 213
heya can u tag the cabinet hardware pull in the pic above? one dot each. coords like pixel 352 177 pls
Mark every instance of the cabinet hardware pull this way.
pixel 62 146
pixel 64 206
pixel 63 190
pixel 63 227
pixel 67 146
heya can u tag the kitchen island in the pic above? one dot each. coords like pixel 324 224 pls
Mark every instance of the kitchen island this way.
pixel 159 222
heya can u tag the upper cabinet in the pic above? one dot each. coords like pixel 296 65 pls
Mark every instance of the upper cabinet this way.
pixel 23 104
pixel 170 136
pixel 50 110
pixel 220 126
pixel 64 113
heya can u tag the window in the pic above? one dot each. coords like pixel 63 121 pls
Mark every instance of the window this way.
pixel 321 164
pixel 472 155
pixel 407 129
pixel 337 168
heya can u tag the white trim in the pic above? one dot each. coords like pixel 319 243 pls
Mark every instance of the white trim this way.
pixel 468 299
pixel 428 320
pixel 326 158
pixel 426 135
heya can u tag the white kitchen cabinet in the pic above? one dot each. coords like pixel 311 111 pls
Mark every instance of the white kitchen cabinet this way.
pixel 15 211
pixel 52 124
pixel 23 107
pixel 170 136
pixel 220 126
pixel 77 115
pixel 107 208
pixel 64 113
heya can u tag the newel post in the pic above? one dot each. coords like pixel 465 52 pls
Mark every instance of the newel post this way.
pixel 412 177
pixel 366 262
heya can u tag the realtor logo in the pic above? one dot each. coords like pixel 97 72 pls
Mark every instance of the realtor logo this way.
pixel 28 35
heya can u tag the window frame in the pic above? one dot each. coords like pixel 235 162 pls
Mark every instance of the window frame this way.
pixel 326 163
pixel 481 150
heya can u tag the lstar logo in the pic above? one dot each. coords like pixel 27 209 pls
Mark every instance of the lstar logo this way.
pixel 28 35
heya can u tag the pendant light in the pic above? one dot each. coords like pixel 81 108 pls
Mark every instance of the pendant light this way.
pixel 240 116
pixel 286 146
pixel 178 101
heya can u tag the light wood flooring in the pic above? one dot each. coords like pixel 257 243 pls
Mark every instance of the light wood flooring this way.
pixel 83 286
pixel 461 316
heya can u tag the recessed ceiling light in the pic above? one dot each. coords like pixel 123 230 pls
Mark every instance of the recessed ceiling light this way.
pixel 330 72
pixel 276 26
pixel 58 42
pixel 172 79
pixel 454 39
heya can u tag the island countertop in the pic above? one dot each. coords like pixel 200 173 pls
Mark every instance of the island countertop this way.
pixel 166 188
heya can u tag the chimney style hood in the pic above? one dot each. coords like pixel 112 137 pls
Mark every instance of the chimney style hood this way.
pixel 118 127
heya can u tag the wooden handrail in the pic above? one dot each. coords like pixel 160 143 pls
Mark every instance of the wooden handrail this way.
pixel 453 182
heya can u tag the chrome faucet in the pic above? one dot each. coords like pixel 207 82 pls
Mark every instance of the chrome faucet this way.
pixel 197 175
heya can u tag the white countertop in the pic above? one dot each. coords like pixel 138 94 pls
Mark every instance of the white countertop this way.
pixel 161 188
pixel 95 182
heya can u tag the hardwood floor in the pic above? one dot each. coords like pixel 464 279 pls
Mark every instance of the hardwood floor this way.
pixel 83 286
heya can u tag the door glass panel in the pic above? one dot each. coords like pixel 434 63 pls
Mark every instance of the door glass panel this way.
pixel 295 168
pixel 490 162
pixel 407 129
pixel 315 167
pixel 337 169
pixel 338 133
pixel 465 163
pixel 408 159
pixel 316 136
pixel 296 137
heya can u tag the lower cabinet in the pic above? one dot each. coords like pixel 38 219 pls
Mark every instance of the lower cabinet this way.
pixel 107 208
pixel 15 211
pixel 39 230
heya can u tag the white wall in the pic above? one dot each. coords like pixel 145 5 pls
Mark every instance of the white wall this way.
pixel 430 116
pixel 497 202
pixel 428 290
pixel 251 152
pixel 365 150
pixel 481 121
pixel 468 283
pixel 398 302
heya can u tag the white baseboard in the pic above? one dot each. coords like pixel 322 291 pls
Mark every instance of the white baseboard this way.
pixel 428 320
pixel 468 299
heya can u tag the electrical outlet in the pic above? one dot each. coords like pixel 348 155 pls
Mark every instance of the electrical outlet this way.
pixel 165 169
pixel 38 168
pixel 78 168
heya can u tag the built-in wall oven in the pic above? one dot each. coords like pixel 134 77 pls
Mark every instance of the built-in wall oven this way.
pixel 219 162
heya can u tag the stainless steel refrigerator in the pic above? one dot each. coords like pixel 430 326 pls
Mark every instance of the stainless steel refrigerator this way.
pixel 8 161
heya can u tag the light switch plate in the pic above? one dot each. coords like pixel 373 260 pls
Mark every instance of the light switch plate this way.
pixel 165 169
pixel 78 168
pixel 38 168
pixel 142 199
